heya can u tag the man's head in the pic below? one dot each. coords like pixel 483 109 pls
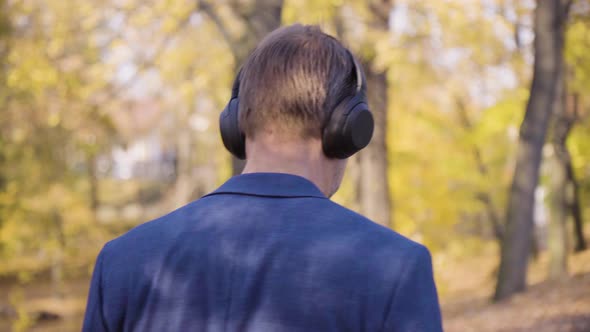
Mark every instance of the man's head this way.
pixel 289 88
pixel 292 81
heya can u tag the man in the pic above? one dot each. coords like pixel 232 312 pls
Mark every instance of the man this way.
pixel 268 250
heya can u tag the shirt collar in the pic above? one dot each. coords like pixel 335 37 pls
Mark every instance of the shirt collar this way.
pixel 270 185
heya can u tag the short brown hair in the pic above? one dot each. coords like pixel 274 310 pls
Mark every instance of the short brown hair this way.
pixel 292 81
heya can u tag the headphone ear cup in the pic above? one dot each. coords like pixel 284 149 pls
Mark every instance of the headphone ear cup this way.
pixel 231 135
pixel 349 129
pixel 359 127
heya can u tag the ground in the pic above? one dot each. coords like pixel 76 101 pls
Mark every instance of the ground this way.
pixel 466 285
pixel 546 306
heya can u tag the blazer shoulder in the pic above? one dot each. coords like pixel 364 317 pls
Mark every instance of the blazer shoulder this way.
pixel 377 233
pixel 147 236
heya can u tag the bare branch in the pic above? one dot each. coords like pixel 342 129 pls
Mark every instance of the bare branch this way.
pixel 208 9
pixel 483 196
pixel 381 9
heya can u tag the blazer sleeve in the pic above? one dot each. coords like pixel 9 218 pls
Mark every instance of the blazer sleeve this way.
pixel 414 306
pixel 94 320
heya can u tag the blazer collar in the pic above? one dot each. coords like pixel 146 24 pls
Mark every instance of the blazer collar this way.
pixel 269 185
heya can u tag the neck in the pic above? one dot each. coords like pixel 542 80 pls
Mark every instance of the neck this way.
pixel 305 158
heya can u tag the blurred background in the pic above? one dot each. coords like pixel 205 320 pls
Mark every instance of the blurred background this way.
pixel 108 118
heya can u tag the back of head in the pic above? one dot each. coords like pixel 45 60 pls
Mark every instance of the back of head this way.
pixel 292 81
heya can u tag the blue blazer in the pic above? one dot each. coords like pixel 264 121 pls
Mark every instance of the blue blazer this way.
pixel 264 252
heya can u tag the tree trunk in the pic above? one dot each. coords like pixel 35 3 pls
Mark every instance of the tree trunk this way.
pixel 184 184
pixel 92 182
pixel 580 244
pixel 549 22
pixel 4 43
pixel 260 17
pixel 557 236
pixel 492 215
pixel 368 169
pixel 5 31
pixel 57 257
pixel 483 196
pixel 373 191
pixel 574 201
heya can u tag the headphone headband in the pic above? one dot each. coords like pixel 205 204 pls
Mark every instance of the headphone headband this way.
pixel 360 75
pixel 235 89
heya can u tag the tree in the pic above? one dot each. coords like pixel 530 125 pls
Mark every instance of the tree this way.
pixel 578 79
pixel 564 187
pixel 482 195
pixel 575 198
pixel 549 25
pixel 559 183
pixel 48 74
pixel 245 25
pixel 264 16
pixel 373 185
pixel 369 170
pixel 5 30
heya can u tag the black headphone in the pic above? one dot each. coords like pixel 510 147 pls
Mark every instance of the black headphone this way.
pixel 348 130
